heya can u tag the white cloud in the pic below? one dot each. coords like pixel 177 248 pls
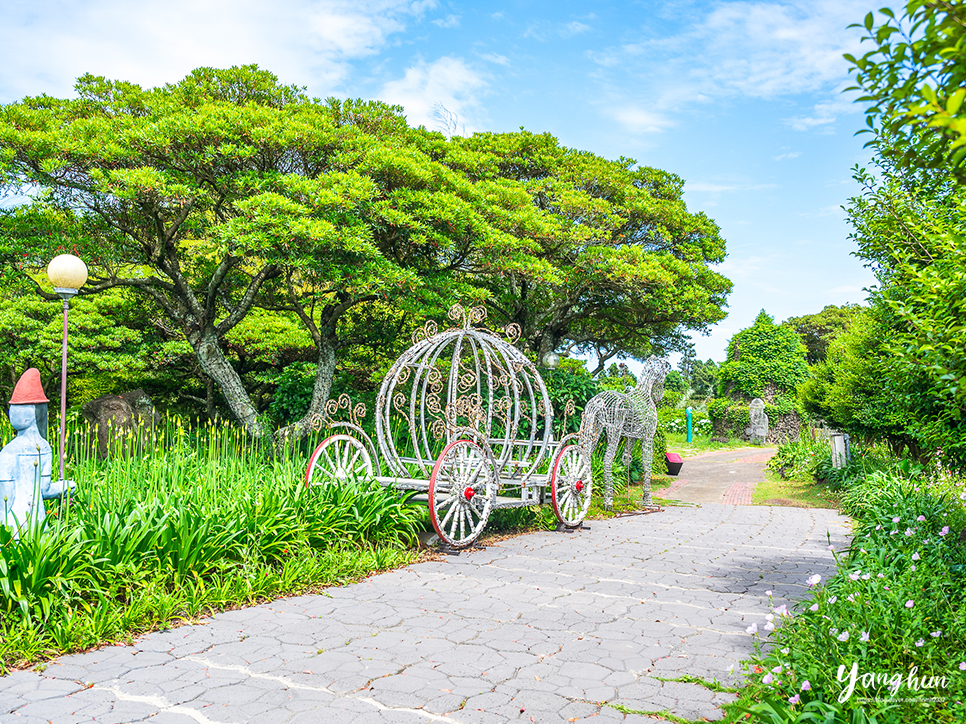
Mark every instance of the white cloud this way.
pixel 574 28
pixel 747 49
pixel 638 120
pixel 45 45
pixel 450 21
pixel 496 58
pixel 448 81
pixel 790 154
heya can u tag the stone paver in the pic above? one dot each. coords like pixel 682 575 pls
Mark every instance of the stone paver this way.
pixel 548 627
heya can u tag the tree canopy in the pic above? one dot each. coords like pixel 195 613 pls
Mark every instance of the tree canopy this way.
pixel 818 330
pixel 914 82
pixel 261 227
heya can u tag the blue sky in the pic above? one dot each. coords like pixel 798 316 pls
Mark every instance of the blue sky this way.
pixel 742 99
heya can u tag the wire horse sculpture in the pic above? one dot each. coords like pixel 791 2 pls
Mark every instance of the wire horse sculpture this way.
pixel 631 415
pixel 465 418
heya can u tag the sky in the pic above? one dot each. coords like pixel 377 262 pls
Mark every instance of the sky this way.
pixel 743 100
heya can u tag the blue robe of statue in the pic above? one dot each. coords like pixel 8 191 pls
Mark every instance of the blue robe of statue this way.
pixel 25 464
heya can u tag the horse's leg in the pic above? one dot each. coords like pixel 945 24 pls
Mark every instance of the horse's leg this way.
pixel 647 458
pixel 613 440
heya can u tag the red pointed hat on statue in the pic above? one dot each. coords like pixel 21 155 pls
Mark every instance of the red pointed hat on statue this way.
pixel 29 391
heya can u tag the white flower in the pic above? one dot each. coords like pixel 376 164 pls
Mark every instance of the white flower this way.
pixel 844 636
pixel 864 636
pixel 855 576
pixel 768 593
pixel 781 610
pixel 769 616
pixel 920 642
pixel 908 531
pixel 936 634
pixel 850 598
pixel 769 627
pixel 915 556
pixel 753 629
pixel 833 599
pixel 813 580
pixel 866 576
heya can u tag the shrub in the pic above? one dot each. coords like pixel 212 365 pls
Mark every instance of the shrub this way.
pixel 897 606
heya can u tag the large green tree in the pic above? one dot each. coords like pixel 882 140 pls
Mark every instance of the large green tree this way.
pixel 634 268
pixel 913 81
pixel 228 189
pixel 818 330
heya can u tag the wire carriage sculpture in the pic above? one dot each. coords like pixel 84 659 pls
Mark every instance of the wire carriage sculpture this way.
pixel 464 418
pixel 631 415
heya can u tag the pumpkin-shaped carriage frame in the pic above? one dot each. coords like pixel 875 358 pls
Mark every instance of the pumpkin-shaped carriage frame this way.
pixel 464 418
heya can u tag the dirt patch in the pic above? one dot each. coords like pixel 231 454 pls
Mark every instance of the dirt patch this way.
pixel 786 502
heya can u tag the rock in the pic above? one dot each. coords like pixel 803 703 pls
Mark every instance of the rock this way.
pixel 130 413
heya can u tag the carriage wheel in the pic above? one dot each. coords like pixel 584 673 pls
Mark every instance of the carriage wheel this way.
pixel 337 459
pixel 570 484
pixel 461 493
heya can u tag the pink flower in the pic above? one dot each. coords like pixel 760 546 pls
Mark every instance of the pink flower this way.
pixel 896 519
pixel 921 518
pixel 920 642
pixel 813 580
pixel 833 599
pixel 844 636
pixel 777 669
pixel 808 687
pixel 962 665
pixel 864 636
pixel 767 679
pixel 915 556
pixel 855 576
pixel 769 627
pixel 908 531
pixel 910 604
pixel 781 610
pixel 794 699
pixel 753 629
pixel 813 607
pixel 936 634
pixel 945 530
pixel 768 593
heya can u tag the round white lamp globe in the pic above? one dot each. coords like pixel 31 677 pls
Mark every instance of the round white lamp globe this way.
pixel 67 273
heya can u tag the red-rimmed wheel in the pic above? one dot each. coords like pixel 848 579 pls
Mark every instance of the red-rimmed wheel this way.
pixel 337 459
pixel 461 492
pixel 570 486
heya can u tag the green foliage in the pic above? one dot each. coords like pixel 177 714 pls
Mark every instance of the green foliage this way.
pixel 913 82
pixel 616 377
pixel 704 378
pixel 818 330
pixel 570 381
pixel 675 382
pixel 294 391
pixel 896 602
pixel 633 267
pixel 761 355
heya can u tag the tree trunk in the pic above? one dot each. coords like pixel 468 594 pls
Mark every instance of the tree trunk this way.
pixel 214 364
pixel 324 374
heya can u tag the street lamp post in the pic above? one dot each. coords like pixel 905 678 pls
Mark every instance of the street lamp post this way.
pixel 68 274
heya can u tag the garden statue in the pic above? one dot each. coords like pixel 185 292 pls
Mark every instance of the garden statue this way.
pixel 757 429
pixel 25 461
pixel 631 415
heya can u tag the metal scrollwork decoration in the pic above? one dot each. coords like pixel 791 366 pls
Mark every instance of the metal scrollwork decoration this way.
pixel 357 413
pixel 458 379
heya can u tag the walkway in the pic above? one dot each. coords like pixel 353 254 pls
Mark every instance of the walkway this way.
pixel 547 627
pixel 721 477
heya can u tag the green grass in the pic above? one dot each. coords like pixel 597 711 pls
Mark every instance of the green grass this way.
pixel 677 443
pixel 203 521
pixel 793 493
pixel 713 685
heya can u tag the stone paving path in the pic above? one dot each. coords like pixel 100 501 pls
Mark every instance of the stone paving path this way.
pixel 726 477
pixel 547 627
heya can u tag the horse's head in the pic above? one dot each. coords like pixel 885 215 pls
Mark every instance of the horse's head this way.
pixel 652 377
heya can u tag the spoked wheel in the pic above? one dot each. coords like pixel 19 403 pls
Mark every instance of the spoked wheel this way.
pixel 570 483
pixel 337 459
pixel 461 492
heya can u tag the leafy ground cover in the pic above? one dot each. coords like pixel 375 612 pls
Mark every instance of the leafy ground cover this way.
pixel 205 522
pixel 884 640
